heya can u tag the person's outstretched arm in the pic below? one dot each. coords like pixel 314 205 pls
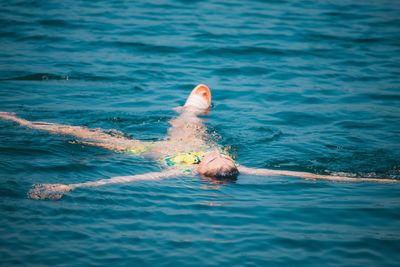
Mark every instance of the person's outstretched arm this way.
pixel 116 142
pixel 311 176
pixel 57 191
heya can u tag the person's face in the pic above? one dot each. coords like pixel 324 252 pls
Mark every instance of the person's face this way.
pixel 215 164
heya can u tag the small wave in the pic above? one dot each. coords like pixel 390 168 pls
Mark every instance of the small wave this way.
pixel 43 76
pixel 243 50
pixel 247 51
pixel 38 77
pixel 384 97
pixel 302 119
pixel 91 77
pixel 248 71
pixel 348 124
pixel 8 34
pixel 345 15
pixel 323 37
pixel 40 37
pixel 268 134
pixel 55 23
pixel 11 22
pixel 142 47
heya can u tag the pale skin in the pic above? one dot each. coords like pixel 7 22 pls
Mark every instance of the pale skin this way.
pixel 186 134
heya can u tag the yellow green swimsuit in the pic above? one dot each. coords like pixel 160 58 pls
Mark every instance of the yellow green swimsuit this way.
pixel 181 159
pixel 184 159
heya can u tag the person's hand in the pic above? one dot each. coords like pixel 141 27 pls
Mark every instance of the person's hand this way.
pixel 48 191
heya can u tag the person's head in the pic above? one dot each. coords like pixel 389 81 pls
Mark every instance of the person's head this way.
pixel 199 98
pixel 217 165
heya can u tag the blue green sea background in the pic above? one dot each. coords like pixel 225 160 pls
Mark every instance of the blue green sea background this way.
pixel 297 85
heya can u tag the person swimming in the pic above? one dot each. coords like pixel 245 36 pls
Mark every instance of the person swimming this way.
pixel 187 149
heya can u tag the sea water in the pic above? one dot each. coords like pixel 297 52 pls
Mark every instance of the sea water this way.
pixel 297 85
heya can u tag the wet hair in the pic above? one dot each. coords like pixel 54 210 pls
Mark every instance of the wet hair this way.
pixel 223 174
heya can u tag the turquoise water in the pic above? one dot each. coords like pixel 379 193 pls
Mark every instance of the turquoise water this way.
pixel 299 85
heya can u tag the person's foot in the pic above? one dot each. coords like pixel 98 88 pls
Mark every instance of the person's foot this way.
pixel 7 115
pixel 199 98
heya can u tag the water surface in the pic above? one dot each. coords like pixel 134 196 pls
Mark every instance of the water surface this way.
pixel 299 85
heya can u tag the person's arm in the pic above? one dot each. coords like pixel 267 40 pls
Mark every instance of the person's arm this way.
pixel 115 142
pixel 311 176
pixel 57 191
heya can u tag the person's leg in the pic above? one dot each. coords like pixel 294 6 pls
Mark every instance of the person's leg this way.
pixel 115 142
